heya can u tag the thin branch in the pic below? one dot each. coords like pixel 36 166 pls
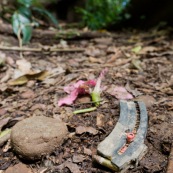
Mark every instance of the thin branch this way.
pixel 49 49
pixel 170 161
pixel 56 34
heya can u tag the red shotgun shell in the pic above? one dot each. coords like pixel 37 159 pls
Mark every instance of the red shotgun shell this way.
pixel 130 137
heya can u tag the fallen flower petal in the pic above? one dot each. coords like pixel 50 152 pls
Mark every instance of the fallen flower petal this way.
pixel 79 88
pixel 68 89
pixel 91 83
pixel 83 87
pixel 69 99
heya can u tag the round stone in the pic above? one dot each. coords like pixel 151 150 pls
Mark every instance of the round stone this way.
pixel 37 136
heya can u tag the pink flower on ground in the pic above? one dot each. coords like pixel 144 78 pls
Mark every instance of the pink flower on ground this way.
pixel 83 87
pixel 79 88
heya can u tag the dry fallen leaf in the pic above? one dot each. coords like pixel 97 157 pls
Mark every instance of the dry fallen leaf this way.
pixel 112 59
pixel 19 81
pixel 87 151
pixel 7 76
pixel 95 60
pixel 169 104
pixel 2 111
pixel 148 100
pixel 71 166
pixel 78 158
pixel 10 61
pixel 27 94
pixel 24 66
pixel 31 76
pixel 112 49
pixel 82 129
pixel 119 92
pixel 100 120
pixel 92 51
pixel 116 54
pixel 40 76
pixel 134 92
pixel 136 64
pixel 146 49
pixel 38 106
pixel 104 40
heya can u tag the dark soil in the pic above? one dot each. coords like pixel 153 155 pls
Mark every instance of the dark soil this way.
pixel 149 70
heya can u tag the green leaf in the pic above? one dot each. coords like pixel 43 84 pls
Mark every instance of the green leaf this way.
pixel 136 49
pixel 46 14
pixel 37 3
pixel 26 3
pixel 137 64
pixel 25 11
pixel 27 34
pixel 21 22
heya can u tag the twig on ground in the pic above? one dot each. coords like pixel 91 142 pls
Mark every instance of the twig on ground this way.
pixel 57 34
pixel 170 162
pixel 49 49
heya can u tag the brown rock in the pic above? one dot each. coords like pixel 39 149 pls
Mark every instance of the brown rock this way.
pixel 37 136
pixel 18 168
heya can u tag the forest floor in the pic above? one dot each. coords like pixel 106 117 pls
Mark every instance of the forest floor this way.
pixel 141 62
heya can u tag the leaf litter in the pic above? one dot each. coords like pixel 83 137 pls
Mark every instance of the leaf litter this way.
pixel 41 90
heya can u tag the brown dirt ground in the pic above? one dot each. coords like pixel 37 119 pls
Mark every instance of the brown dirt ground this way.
pixel 149 70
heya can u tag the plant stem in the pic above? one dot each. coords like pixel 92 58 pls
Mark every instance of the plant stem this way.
pixel 20 41
pixel 84 110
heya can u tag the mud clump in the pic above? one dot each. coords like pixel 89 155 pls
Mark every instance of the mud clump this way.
pixel 37 136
